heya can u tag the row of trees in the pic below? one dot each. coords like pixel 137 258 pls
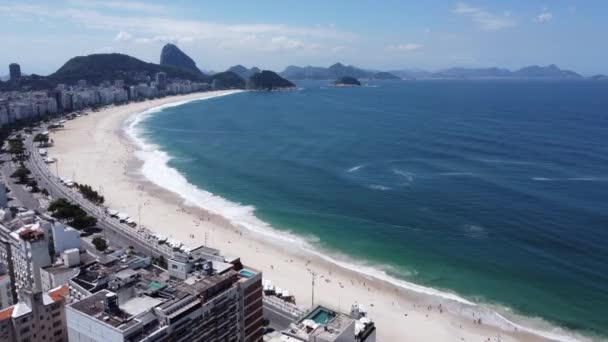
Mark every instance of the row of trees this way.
pixel 90 194
pixel 42 139
pixel 71 214
pixel 16 148
pixel 22 174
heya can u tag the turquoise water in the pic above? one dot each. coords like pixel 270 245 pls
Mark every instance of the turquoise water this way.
pixel 246 273
pixel 321 315
pixel 495 190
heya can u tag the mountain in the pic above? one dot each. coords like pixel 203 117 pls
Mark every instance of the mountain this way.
pixel 551 71
pixel 335 71
pixel 99 67
pixel 473 73
pixel 347 81
pixel 227 79
pixel 530 72
pixel 293 72
pixel 384 76
pixel 268 80
pixel 172 55
pixel 243 71
pixel 599 77
pixel 340 70
pixel 409 74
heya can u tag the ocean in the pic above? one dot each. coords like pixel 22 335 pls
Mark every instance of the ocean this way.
pixel 493 190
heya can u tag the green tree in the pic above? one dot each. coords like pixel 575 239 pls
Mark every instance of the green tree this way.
pixel 33 185
pixel 22 175
pixel 100 243
pixel 72 214
pixel 42 139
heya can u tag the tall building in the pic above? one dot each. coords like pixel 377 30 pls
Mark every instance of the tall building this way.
pixel 218 301
pixel 3 197
pixel 37 317
pixel 15 71
pixel 161 80
pixel 25 251
pixel 6 292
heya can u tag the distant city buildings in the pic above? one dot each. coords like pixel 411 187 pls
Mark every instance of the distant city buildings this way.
pixel 23 106
pixel 161 80
pixel 15 71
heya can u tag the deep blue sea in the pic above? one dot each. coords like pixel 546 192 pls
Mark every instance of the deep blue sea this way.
pixel 495 190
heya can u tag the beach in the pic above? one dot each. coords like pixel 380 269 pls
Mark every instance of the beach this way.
pixel 95 149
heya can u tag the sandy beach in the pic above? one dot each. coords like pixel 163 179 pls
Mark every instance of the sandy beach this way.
pixel 95 150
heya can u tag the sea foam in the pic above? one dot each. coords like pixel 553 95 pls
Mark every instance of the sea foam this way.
pixel 156 169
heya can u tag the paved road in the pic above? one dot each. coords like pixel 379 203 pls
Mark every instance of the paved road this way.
pixel 18 191
pixel 114 230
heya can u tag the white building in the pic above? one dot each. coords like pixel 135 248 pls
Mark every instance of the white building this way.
pixel 61 273
pixel 65 237
pixel 26 251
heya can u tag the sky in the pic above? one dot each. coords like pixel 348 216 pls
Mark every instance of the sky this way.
pixel 382 34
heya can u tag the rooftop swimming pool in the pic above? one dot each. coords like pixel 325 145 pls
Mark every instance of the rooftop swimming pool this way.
pixel 321 315
pixel 246 273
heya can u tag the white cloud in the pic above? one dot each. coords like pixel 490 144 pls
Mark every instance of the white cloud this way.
pixel 486 20
pixel 545 16
pixel 133 6
pixel 150 28
pixel 123 36
pixel 405 47
pixel 142 33
pixel 163 39
pixel 286 43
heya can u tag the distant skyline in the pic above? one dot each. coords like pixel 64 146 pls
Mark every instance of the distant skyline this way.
pixel 384 35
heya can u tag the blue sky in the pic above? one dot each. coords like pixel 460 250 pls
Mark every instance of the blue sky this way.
pixel 388 34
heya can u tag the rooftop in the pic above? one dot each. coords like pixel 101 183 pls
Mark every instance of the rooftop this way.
pixel 138 305
pixel 94 306
pixel 31 234
pixel 6 313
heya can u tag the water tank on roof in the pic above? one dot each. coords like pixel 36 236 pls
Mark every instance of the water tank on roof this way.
pixel 110 303
pixel 208 267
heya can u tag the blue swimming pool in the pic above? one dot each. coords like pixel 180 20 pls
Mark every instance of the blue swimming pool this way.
pixel 246 273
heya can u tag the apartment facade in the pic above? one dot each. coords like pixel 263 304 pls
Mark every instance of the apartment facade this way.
pixel 37 317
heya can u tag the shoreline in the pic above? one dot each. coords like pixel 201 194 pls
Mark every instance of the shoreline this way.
pixel 88 148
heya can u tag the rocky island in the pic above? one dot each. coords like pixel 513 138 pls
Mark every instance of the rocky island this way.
pixel 346 81
pixel 268 80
